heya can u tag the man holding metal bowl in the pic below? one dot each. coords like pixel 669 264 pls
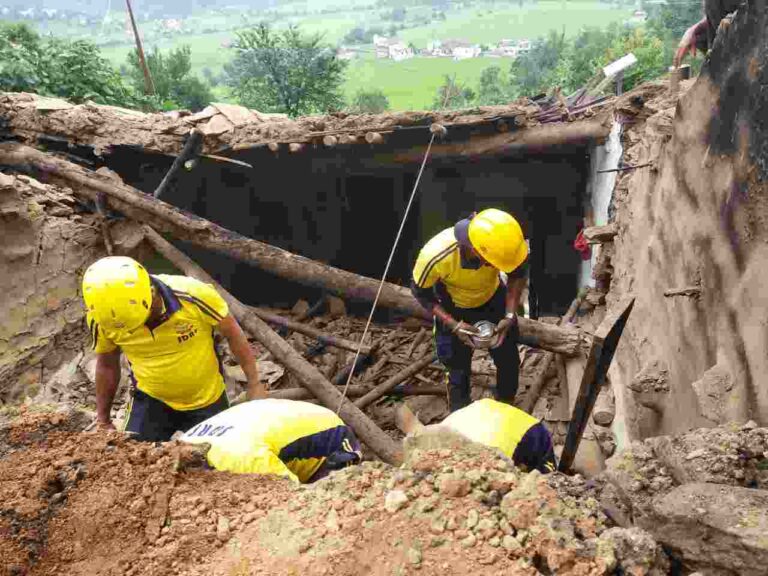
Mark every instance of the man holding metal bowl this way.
pixel 457 278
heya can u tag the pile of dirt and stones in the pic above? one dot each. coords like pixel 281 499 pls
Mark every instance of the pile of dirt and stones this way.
pixel 97 503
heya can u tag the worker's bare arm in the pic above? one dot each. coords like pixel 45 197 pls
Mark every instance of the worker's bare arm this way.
pixel 107 380
pixel 238 343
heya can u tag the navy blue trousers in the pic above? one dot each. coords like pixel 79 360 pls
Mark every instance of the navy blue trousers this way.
pixel 151 420
pixel 457 357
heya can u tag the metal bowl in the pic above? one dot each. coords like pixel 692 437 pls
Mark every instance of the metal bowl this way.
pixel 484 337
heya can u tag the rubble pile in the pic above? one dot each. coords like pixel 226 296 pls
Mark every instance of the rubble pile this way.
pixel 100 504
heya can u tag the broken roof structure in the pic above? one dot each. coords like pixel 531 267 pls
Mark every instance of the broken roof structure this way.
pixel 334 188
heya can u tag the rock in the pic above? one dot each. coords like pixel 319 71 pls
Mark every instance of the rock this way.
pixel 437 526
pixel 472 519
pixel 510 543
pixel 751 425
pixel 495 542
pixel 469 541
pixel 332 521
pixel 454 486
pixel 712 392
pixel 427 505
pixel 222 529
pixel 633 551
pixel 713 528
pixel 395 500
pixel 696 454
pixel 414 557
pixel 336 307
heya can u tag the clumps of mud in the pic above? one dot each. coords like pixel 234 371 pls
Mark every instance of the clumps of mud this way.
pixel 94 503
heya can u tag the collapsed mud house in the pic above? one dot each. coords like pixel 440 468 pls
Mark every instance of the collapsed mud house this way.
pixel 685 241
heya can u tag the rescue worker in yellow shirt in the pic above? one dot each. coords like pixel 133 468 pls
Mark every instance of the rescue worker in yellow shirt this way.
pixel 297 440
pixel 164 325
pixel 457 279
pixel 516 433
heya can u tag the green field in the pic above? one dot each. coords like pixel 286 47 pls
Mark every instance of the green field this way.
pixel 411 84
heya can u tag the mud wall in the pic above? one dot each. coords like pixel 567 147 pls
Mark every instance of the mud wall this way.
pixel 44 245
pixel 698 219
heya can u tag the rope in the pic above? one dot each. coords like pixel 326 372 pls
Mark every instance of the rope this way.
pixel 386 270
pixel 392 252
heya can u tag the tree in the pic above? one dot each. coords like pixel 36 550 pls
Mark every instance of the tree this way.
pixel 453 95
pixel 72 70
pixel 533 70
pixel 285 72
pixel 370 102
pixel 175 85
pixel 493 89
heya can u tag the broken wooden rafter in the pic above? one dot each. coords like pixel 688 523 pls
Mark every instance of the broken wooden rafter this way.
pixel 192 148
pixel 319 335
pixel 601 353
pixel 309 376
pixel 374 138
pixel 392 382
pixel 600 234
pixel 330 141
pixel 205 234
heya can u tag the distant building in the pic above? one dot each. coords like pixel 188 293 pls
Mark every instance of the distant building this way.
pixel 391 48
pixel 172 24
pixel 461 49
pixel 346 54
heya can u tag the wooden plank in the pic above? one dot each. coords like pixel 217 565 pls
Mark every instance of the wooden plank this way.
pixel 604 346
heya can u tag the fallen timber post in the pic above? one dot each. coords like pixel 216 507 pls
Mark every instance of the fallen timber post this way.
pixel 392 382
pixel 205 234
pixel 601 353
pixel 328 339
pixel 309 376
pixel 358 390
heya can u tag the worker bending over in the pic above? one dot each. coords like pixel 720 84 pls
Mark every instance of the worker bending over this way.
pixel 297 440
pixel 456 278
pixel 517 434
pixel 164 324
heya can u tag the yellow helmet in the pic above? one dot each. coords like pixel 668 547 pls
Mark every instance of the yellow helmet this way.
pixel 498 238
pixel 117 293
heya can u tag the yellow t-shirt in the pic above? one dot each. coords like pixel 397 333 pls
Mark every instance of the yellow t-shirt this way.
pixel 440 260
pixel 272 436
pixel 175 362
pixel 492 423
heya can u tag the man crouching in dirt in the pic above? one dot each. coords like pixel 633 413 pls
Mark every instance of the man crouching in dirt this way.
pixel 517 434
pixel 297 440
pixel 164 324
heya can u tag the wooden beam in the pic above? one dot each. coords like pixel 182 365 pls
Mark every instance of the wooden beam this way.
pixel 392 382
pixel 323 337
pixel 530 140
pixel 604 345
pixel 309 376
pixel 192 148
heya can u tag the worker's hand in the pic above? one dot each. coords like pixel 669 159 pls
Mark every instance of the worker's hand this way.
pixel 460 330
pixel 688 42
pixel 256 390
pixel 503 328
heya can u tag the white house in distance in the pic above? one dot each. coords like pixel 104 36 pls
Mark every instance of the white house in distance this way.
pixel 391 48
pixel 509 48
pixel 456 49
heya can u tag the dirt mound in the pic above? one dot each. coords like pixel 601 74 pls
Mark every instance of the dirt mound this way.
pixel 80 503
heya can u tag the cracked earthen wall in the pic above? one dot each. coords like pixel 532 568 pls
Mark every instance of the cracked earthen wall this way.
pixel 44 246
pixel 698 220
